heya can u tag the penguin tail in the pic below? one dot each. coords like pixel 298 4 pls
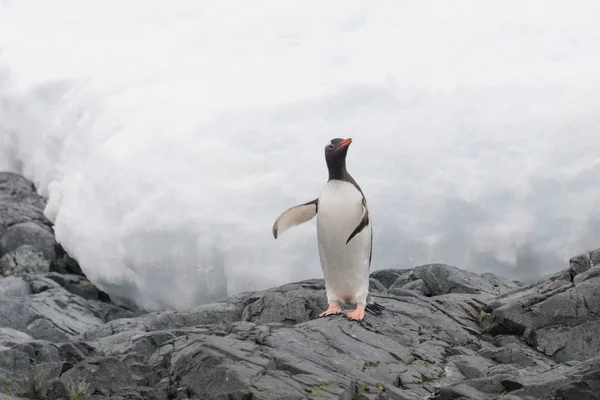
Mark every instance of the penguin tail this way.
pixel 373 307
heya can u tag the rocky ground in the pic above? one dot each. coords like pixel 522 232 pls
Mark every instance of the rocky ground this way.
pixel 445 333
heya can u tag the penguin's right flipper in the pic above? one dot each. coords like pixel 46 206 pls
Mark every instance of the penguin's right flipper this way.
pixel 372 307
pixel 295 216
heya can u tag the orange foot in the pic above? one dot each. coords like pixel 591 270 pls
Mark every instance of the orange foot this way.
pixel 334 308
pixel 358 314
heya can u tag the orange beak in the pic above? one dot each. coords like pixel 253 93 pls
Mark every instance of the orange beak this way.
pixel 345 143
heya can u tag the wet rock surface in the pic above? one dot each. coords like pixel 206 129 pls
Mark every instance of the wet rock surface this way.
pixel 445 333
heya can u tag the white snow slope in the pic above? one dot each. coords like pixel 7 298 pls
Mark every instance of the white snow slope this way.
pixel 168 136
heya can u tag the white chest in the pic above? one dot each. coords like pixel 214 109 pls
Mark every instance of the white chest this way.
pixel 345 264
pixel 340 210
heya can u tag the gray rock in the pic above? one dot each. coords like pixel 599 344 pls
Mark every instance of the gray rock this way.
pixel 102 376
pixel 576 379
pixel 473 367
pixel 53 313
pixel 290 304
pixel 9 335
pixel 559 322
pixel 6 397
pixel 78 285
pixel 418 286
pixel 223 312
pixel 583 262
pixel 28 233
pixel 444 334
pixel 579 391
pixel 387 277
pixel 19 203
pixel 45 374
pixel 438 279
pixel 14 188
pixel 376 287
pixel 24 260
pixel 14 287
pixel 504 369
pixel 270 345
pixel 275 351
pixel 512 354
pixel 63 263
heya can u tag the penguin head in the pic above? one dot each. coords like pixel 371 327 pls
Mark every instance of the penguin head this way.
pixel 337 148
pixel 335 152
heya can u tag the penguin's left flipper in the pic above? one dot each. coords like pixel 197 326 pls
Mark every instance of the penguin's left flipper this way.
pixel 362 224
pixel 295 216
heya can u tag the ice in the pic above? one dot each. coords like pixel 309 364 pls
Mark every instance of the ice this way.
pixel 168 137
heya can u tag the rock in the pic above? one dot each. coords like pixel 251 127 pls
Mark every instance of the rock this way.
pixel 510 354
pixel 289 304
pixel 25 259
pixel 37 304
pixel 503 369
pixel 19 203
pixel 375 286
pixel 559 322
pixel 14 287
pixel 444 334
pixel 262 345
pixel 6 397
pixel 579 391
pixel 473 367
pixel 63 263
pixel 418 286
pixel 438 279
pixel 387 277
pixel 28 233
pixel 23 228
pixel 79 285
pixel 14 188
pixel 98 376
pixel 583 262
pixel 54 313
pixel 45 374
pixel 9 335
pixel 269 345
pixel 223 312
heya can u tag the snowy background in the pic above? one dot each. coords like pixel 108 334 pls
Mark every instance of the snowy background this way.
pixel 168 136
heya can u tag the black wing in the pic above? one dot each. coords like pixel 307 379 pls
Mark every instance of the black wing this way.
pixel 364 221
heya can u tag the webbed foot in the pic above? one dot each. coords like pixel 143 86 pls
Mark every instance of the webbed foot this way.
pixel 334 308
pixel 358 314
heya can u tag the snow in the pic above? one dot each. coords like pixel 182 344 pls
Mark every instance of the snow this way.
pixel 168 138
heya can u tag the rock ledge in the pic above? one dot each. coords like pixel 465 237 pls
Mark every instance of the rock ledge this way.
pixel 445 333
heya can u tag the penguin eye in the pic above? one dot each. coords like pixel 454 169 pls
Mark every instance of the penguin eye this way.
pixel 330 147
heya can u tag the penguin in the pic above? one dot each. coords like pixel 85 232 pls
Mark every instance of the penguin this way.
pixel 344 233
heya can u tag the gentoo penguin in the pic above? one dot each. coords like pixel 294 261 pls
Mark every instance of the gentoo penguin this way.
pixel 344 235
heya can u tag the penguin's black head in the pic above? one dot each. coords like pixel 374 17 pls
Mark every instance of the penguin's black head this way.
pixel 335 156
pixel 337 148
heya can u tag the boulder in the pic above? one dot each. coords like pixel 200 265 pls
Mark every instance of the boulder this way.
pixel 28 233
pixel 46 310
pixel 557 317
pixel 439 279
pixel 24 260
